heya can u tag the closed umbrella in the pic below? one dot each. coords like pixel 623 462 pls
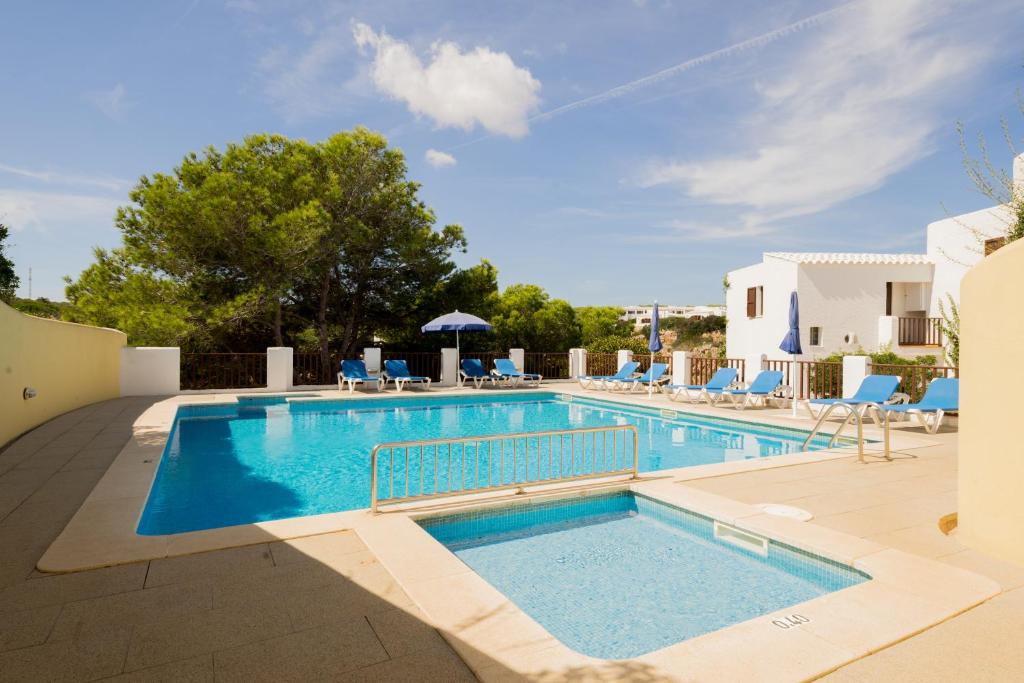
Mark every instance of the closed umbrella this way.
pixel 457 322
pixel 653 345
pixel 791 343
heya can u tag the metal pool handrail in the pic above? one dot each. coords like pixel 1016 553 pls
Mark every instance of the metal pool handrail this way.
pixel 881 416
pixel 592 464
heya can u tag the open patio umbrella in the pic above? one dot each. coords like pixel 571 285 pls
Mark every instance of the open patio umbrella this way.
pixel 653 345
pixel 457 322
pixel 791 343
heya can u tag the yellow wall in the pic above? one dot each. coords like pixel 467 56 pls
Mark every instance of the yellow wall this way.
pixel 68 365
pixel 991 449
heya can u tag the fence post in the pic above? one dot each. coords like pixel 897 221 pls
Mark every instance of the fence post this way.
pixel 681 361
pixel 577 363
pixel 371 357
pixel 449 367
pixel 752 365
pixel 855 369
pixel 150 370
pixel 280 360
pixel 518 357
pixel 622 357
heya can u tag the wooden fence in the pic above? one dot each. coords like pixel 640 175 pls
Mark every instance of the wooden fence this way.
pixel 914 379
pixel 701 369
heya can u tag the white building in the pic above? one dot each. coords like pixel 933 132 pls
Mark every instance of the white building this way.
pixel 859 301
pixel 641 315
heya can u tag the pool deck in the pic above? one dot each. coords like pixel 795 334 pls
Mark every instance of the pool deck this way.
pixel 324 606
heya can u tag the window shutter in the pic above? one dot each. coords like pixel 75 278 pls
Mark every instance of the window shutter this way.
pixel 751 302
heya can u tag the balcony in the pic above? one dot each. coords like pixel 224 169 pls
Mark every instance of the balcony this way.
pixel 920 332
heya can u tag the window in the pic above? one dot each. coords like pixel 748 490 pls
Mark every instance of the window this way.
pixel 755 302
pixel 815 336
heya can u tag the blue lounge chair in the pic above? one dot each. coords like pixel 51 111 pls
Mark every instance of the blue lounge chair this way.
pixel 506 370
pixel 354 372
pixel 473 369
pixel 723 378
pixel 398 372
pixel 593 381
pixel 873 389
pixel 941 397
pixel 654 375
pixel 759 391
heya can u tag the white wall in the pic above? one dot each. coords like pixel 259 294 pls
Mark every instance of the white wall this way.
pixel 842 298
pixel 150 370
pixel 954 249
pixel 746 337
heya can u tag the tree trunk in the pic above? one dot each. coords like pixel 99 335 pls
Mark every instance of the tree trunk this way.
pixel 278 336
pixel 321 324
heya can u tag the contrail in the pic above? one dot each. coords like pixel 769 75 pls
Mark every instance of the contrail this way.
pixel 626 88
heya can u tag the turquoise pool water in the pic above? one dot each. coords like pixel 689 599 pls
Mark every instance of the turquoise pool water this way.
pixel 620 575
pixel 266 459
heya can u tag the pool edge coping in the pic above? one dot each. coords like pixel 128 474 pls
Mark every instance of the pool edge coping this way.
pixel 102 531
pixel 494 636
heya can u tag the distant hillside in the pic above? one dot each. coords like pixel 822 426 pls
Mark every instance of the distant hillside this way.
pixel 41 307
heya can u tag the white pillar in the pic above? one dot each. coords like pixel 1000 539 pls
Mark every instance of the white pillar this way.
pixel 371 357
pixel 279 368
pixel 518 357
pixel 623 356
pixel 577 362
pixel 449 367
pixel 888 332
pixel 855 369
pixel 150 370
pixel 753 364
pixel 681 367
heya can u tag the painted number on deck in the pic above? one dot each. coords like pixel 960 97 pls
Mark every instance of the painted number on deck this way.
pixel 791 621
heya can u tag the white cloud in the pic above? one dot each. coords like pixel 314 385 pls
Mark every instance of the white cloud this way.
pixel 439 159
pixel 456 89
pixel 110 102
pixel 21 209
pixel 104 182
pixel 859 102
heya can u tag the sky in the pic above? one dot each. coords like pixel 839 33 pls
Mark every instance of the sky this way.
pixel 612 152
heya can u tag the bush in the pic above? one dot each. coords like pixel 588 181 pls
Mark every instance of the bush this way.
pixel 612 343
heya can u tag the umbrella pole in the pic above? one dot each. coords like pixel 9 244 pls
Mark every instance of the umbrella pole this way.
pixel 650 384
pixel 796 379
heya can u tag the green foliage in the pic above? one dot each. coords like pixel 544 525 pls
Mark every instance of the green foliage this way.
pixel 152 311
pixel 951 329
pixel 692 332
pixel 526 317
pixel 884 357
pixel 601 321
pixel 612 343
pixel 8 278
pixel 40 307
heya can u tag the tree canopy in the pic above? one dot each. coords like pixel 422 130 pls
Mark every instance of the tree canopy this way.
pixel 321 246
pixel 8 278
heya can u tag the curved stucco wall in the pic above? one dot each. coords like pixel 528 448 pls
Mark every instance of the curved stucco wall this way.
pixel 68 365
pixel 991 447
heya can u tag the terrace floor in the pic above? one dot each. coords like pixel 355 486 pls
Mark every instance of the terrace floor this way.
pixel 323 607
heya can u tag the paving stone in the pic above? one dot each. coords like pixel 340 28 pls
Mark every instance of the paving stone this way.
pixel 134 607
pixel 428 665
pixel 171 639
pixel 56 589
pixel 312 654
pixel 98 656
pixel 195 670
pixel 209 565
pixel 26 628
pixel 404 631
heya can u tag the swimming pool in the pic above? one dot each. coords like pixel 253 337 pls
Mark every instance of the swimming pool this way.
pixel 266 458
pixel 620 575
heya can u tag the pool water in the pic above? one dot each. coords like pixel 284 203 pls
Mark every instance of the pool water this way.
pixel 620 575
pixel 265 458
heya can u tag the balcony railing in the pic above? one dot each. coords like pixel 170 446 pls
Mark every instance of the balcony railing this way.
pixel 920 331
